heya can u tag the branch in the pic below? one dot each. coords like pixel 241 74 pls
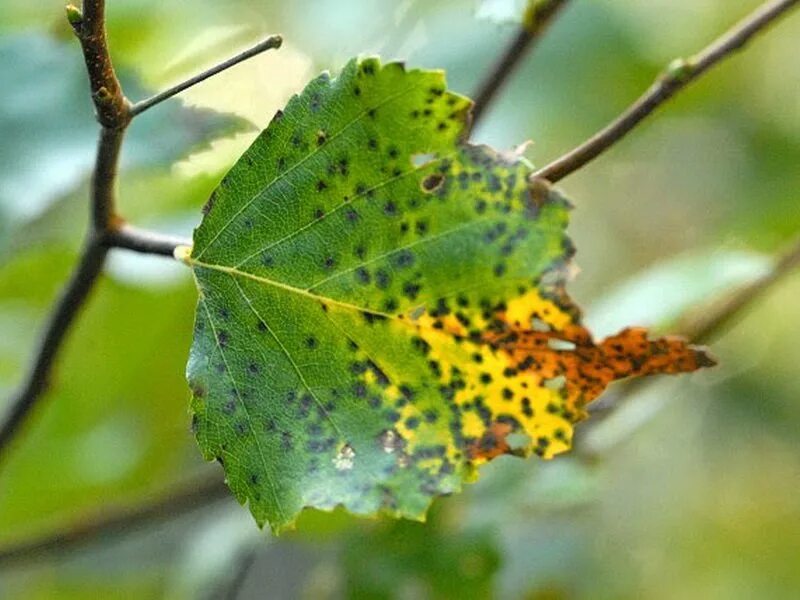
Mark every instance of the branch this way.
pixel 714 322
pixel 537 20
pixel 113 109
pixel 119 520
pixel 677 76
pixel 273 41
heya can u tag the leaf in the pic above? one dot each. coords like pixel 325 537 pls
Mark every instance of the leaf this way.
pixel 382 306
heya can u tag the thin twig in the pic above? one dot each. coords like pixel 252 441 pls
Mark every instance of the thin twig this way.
pixel 677 76
pixel 541 14
pixel 120 520
pixel 273 41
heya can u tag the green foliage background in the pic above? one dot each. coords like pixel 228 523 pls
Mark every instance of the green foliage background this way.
pixel 692 490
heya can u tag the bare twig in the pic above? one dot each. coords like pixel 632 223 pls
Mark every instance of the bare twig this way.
pixel 120 520
pixel 677 76
pixel 273 41
pixel 537 21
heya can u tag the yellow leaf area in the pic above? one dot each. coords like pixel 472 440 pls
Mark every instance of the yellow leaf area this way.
pixel 531 370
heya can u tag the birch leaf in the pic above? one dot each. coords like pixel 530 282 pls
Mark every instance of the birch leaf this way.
pixel 382 306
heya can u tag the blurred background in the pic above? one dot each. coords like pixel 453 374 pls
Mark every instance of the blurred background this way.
pixel 690 489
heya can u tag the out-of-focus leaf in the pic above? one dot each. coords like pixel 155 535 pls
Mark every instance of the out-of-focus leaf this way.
pixel 47 112
pixel 382 306
pixel 668 289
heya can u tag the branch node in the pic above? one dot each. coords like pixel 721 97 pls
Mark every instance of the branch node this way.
pixel 75 17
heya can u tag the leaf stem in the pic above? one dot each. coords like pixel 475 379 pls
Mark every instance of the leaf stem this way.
pixel 273 41
pixel 537 21
pixel 143 241
pixel 676 77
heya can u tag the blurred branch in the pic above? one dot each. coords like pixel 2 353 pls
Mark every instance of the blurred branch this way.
pixel 273 41
pixel 538 18
pixel 711 323
pixel 119 520
pixel 678 75
pixel 106 230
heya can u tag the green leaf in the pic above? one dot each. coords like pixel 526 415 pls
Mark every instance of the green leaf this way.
pixel 382 306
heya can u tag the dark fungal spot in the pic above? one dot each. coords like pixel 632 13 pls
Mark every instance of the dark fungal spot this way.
pixel 403 259
pixel 371 113
pixel 357 91
pixel 412 422
pixel 499 269
pixel 372 144
pixel 351 215
pixel 390 209
pixel 360 252
pixel 421 227
pixel 430 415
pixel 322 137
pixel 368 68
pixel 222 339
pixel 329 262
pixel 432 182
pixel 411 290
pixel 229 407
pixel 393 152
pixel 253 368
pixel 321 185
pixel 262 327
pixel 311 342
pixel 363 275
pixel 390 305
pixel 319 213
pixel 382 279
pixel 486 378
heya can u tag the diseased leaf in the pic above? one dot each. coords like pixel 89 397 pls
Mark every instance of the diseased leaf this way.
pixel 382 306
